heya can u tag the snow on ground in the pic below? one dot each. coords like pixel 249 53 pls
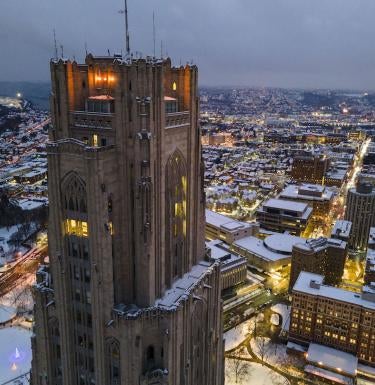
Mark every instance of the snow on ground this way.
pixel 20 296
pixel 255 374
pixel 284 311
pixel 7 313
pixel 275 354
pixel 5 234
pixel 238 334
pixel 242 352
pixel 14 362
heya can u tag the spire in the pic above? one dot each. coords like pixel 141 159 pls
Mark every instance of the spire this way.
pixel 154 32
pixel 55 43
pixel 127 38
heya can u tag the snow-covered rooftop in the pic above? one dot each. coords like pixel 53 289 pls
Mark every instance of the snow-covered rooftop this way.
pixel 328 375
pixel 273 248
pixel 312 284
pixel 310 192
pixel 341 229
pixel 283 204
pixel 332 358
pixel 282 242
pixel 316 244
pixel 219 220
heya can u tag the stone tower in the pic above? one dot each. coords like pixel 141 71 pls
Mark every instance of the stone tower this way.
pixel 128 297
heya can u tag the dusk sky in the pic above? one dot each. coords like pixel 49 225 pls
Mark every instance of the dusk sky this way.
pixel 286 43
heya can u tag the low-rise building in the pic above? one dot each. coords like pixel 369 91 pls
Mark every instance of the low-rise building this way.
pixel 233 268
pixel 342 230
pixel 319 197
pixel 221 227
pixel 321 256
pixel 333 317
pixel 270 254
pixel 283 215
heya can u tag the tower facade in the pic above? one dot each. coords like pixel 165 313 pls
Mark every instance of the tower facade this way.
pixel 360 210
pixel 129 296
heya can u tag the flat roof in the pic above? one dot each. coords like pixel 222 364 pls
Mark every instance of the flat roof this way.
pixel 342 228
pixel 282 242
pixel 219 220
pixel 257 247
pixel 303 285
pixel 296 192
pixel 283 204
pixel 328 375
pixel 316 244
pixel 332 358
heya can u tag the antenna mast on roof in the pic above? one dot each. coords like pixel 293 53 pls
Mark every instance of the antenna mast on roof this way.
pixel 127 39
pixel 54 40
pixel 154 32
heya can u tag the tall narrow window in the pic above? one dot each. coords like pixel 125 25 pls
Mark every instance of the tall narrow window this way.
pixel 176 216
pixel 113 367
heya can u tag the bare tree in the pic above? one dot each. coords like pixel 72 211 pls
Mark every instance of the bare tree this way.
pixel 238 369
pixel 22 299
pixel 262 348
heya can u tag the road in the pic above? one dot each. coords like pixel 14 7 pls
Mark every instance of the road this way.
pixel 28 263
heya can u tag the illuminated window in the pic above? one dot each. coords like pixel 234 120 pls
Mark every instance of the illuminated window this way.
pixel 74 227
pixel 84 229
pixel 174 86
pixel 95 140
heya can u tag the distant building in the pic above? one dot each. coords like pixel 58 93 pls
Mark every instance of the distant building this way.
pixel 270 254
pixel 330 316
pixel 357 135
pixel 31 177
pixel 336 177
pixel 342 230
pixel 310 168
pixel 221 227
pixel 227 205
pixel 320 256
pixel 360 210
pixel 369 276
pixel 317 196
pixel 283 215
pixel 371 239
pixel 233 268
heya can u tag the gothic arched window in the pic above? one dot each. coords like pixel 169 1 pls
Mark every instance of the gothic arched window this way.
pixel 74 193
pixel 176 216
pixel 113 359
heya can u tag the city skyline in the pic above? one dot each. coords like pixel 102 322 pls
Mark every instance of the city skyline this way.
pixel 292 44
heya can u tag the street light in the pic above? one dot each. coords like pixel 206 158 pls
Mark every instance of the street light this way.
pixel 19 95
